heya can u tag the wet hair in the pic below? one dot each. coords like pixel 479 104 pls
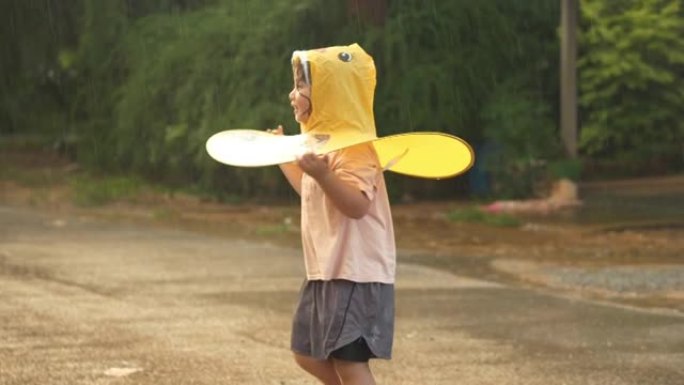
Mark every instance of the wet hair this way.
pixel 301 70
pixel 302 74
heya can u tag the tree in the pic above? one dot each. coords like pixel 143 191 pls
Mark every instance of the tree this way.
pixel 632 78
pixel 37 39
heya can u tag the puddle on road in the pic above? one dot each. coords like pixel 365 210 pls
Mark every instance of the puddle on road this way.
pixel 121 372
pixel 626 207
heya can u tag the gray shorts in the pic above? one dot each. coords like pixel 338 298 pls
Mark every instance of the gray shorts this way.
pixel 333 314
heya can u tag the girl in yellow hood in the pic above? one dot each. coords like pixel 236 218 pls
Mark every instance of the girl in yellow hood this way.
pixel 345 314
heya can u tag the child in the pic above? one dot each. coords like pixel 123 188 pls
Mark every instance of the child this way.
pixel 345 314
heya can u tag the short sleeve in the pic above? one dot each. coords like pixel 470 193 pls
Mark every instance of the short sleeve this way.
pixel 359 166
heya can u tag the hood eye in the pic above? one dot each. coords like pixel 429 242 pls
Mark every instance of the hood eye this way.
pixel 345 57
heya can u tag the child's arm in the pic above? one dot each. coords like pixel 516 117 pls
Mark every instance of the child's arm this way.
pixel 349 200
pixel 291 171
pixel 294 175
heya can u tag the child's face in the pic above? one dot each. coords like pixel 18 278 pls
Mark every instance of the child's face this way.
pixel 300 98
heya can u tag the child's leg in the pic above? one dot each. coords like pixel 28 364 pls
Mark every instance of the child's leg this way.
pixel 321 369
pixel 353 373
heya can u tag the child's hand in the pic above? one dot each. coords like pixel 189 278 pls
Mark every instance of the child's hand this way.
pixel 314 165
pixel 276 131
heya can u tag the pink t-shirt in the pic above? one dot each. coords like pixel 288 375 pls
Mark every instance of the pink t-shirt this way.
pixel 339 247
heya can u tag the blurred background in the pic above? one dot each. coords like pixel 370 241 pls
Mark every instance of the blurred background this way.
pixel 126 92
pixel 573 107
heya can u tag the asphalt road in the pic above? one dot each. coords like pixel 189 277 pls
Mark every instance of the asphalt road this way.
pixel 89 302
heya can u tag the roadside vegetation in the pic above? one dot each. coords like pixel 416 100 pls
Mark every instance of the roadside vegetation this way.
pixel 131 90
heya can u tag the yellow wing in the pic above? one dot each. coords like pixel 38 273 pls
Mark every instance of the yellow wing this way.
pixel 425 154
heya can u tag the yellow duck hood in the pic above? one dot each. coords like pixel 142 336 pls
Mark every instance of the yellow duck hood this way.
pixel 342 80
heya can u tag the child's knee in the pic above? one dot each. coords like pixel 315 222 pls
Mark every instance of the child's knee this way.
pixel 302 361
pixel 321 369
pixel 310 364
pixel 353 372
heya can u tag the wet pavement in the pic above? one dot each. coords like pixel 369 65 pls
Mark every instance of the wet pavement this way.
pixel 631 204
pixel 89 302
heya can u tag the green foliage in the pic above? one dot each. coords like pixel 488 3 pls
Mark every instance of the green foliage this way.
pixel 442 63
pixel 565 169
pixel 99 62
pixel 157 78
pixel 524 138
pixel 191 74
pixel 138 86
pixel 34 87
pixel 631 77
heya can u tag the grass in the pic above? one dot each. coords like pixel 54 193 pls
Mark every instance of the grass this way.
pixel 89 191
pixel 475 215
pixel 272 229
pixel 165 214
pixel 29 177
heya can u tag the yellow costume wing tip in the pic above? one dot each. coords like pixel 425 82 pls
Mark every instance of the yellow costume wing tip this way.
pixel 433 155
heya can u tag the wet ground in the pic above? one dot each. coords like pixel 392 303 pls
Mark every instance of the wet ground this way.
pixel 172 289
pixel 625 243
pixel 87 300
